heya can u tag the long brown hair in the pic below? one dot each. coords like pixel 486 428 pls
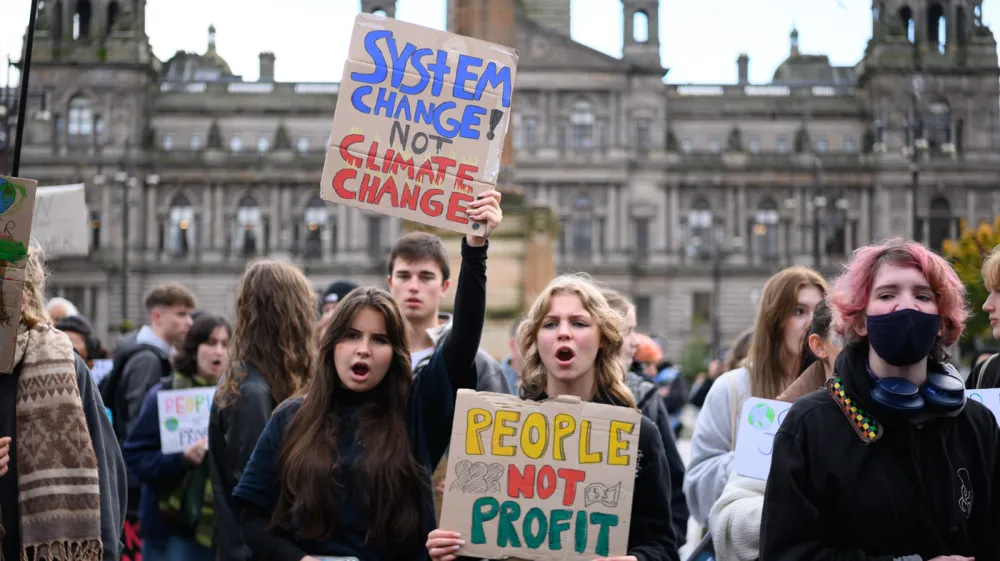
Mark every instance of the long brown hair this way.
pixel 275 312
pixel 609 372
pixel 387 475
pixel 767 357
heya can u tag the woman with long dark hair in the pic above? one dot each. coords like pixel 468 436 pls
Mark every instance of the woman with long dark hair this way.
pixel 271 354
pixel 344 469
pixel 176 504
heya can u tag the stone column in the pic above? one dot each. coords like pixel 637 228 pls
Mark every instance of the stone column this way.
pixel 675 215
pixel 219 212
pixel 151 236
pixel 659 234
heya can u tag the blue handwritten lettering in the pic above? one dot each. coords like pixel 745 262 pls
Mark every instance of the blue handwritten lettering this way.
pixel 371 47
pixel 463 75
pixel 394 65
pixel 356 97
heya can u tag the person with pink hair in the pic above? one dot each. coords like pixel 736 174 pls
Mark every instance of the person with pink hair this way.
pixel 888 461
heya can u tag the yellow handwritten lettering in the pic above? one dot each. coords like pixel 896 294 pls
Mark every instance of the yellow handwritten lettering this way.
pixel 502 429
pixel 615 444
pixel 478 421
pixel 565 425
pixel 534 449
pixel 586 456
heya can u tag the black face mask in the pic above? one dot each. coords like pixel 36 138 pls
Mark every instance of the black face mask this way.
pixel 903 337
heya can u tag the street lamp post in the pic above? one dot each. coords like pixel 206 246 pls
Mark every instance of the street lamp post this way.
pixel 818 201
pixel 124 176
pixel 719 255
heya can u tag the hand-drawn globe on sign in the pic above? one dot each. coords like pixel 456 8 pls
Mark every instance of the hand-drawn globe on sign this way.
pixel 761 416
pixel 7 195
pixel 171 424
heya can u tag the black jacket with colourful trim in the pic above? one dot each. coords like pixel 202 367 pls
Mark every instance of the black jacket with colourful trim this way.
pixel 851 480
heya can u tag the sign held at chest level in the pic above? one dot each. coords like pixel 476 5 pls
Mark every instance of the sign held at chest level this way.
pixel 540 480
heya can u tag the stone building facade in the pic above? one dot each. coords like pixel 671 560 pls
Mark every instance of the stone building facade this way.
pixel 687 197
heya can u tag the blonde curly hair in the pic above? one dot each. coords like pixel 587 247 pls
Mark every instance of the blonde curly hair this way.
pixel 33 303
pixel 609 372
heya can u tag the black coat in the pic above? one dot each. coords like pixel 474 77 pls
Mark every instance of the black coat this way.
pixel 232 436
pixel 924 485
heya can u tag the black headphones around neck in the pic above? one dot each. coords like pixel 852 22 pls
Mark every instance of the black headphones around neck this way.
pixel 942 392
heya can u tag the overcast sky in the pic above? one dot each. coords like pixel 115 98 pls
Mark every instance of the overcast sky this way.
pixel 699 40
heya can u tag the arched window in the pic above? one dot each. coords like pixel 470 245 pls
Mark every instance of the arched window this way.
pixel 937 29
pixel 906 18
pixel 765 229
pixel 81 122
pixel 640 27
pixel 113 11
pixel 700 220
pixel 940 223
pixel 582 121
pixel 961 24
pixel 81 20
pixel 937 124
pixel 315 222
pixel 181 226
pixel 379 12
pixel 248 225
pixel 582 228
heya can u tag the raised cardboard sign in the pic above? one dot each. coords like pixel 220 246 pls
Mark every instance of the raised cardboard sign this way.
pixel 540 480
pixel 758 423
pixel 420 122
pixel 61 225
pixel 17 202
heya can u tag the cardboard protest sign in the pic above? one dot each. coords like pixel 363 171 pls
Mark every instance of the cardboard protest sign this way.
pixel 420 122
pixel 545 480
pixel 758 423
pixel 61 221
pixel 988 397
pixel 17 202
pixel 183 417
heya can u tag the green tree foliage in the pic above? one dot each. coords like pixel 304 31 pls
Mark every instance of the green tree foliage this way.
pixel 966 255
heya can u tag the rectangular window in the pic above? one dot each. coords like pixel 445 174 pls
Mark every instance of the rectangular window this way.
pixel 701 308
pixel 643 313
pixel 642 238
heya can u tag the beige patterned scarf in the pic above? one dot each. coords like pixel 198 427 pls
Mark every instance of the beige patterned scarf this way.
pixel 57 480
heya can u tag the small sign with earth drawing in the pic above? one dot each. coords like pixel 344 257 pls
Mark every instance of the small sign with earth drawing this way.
pixel 183 417
pixel 758 423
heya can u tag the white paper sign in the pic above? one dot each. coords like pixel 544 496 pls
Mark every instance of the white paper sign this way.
pixel 61 223
pixel 758 423
pixel 990 398
pixel 183 417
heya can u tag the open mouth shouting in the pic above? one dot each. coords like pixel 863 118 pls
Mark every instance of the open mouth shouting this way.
pixel 565 356
pixel 359 371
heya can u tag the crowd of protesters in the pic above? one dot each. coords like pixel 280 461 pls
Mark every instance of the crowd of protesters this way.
pixel 332 414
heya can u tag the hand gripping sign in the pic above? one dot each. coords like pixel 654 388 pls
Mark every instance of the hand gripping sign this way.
pixel 540 480
pixel 420 122
pixel 17 204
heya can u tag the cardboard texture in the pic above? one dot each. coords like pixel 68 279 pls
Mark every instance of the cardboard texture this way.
pixel 407 141
pixel 61 225
pixel 540 480
pixel 17 203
